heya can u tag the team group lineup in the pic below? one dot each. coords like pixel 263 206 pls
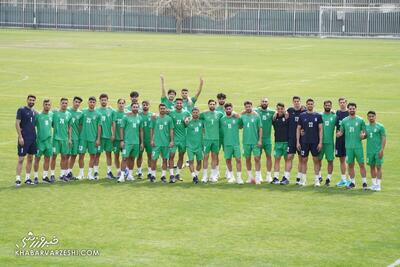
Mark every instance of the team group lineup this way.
pixel 180 127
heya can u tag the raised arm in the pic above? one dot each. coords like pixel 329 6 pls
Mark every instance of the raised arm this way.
pixel 200 88
pixel 163 93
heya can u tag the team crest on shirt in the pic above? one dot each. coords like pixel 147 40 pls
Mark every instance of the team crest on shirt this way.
pixel 252 120
pixel 283 119
pixel 315 119
pixel 356 123
pixel 375 130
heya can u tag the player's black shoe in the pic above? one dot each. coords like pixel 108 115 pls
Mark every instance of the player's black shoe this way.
pixel 69 176
pixel 63 179
pixel 46 180
pixel 178 177
pixel 351 186
pixel 17 183
pixel 28 182
pixel 298 181
pixel 163 179
pixel 320 179
pixel 195 180
pixel 35 180
pixel 140 176
pixel 149 176
pixel 52 179
pixel 327 182
pixel 152 179
pixel 110 176
pixel 96 175
pixel 365 186
pixel 284 181
pixel 275 181
pixel 172 179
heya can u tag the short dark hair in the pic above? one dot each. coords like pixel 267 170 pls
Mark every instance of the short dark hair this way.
pixel 342 98
pixel 178 99
pixel 211 100
pixel 103 95
pixel 63 99
pixel 310 100
pixel 78 98
pixel 247 102
pixel 371 112
pixel 295 97
pixel 227 105
pixel 120 100
pixel 134 94
pixel 327 101
pixel 31 96
pixel 280 105
pixel 171 91
pixel 351 104
pixel 134 103
pixel 195 108
pixel 146 102
pixel 162 105
pixel 185 90
pixel 221 96
pixel 46 100
pixel 92 98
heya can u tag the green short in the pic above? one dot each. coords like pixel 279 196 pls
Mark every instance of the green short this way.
pixel 44 148
pixel 280 149
pixel 374 160
pixel 88 146
pixel 251 149
pixel 180 146
pixel 354 153
pixel 146 147
pixel 74 148
pixel 232 151
pixel 117 147
pixel 60 147
pixel 194 152
pixel 131 151
pixel 157 150
pixel 105 145
pixel 267 148
pixel 211 145
pixel 328 150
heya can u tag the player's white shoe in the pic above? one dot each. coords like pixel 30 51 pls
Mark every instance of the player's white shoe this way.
pixel 258 180
pixel 227 174
pixel 303 182
pixel 204 180
pixel 213 179
pixel 121 179
pixel 239 181
pixel 249 180
pixel 231 180
pixel 268 180
pixel 317 183
pixel 80 177
pixel 130 178
pixel 91 178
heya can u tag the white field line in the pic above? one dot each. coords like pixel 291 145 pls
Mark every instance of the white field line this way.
pixel 22 78
pixel 394 264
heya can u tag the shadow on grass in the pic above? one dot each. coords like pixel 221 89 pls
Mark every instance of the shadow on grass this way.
pixel 222 185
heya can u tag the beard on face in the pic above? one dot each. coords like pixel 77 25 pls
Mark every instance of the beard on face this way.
pixel 327 110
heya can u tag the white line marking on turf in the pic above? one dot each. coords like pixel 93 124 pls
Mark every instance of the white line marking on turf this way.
pixel 394 264
pixel 22 78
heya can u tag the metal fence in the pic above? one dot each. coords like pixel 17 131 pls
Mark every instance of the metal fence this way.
pixel 279 17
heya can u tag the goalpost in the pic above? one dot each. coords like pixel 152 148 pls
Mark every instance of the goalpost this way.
pixel 366 22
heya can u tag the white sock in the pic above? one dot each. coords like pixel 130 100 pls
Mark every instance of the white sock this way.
pixel 109 168
pixel 90 171
pixel 205 172
pixel 269 175
pixel 17 178
pixel 319 174
pixel 329 176
pixel 118 170
pixel 163 173
pixel 258 174
pixel 317 177
pixel 177 171
pixel 130 173
pixel 304 177
pixel 352 180
pixel 53 172
pixel 45 174
pixel 287 175
pixel 171 171
pixel 153 172
pixel 364 180
pixel 27 176
pixel 139 170
pixel 96 168
pixel 378 182
pixel 69 170
pixel 149 170
pixel 250 174
pixel 214 173
pixel 374 182
pixel 299 175
pixel 276 174
pixel 230 175
pixel 193 174
pixel 62 173
pixel 344 177
pixel 81 172
pixel 239 175
pixel 35 174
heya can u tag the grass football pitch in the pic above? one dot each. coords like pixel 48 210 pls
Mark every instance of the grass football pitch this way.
pixel 138 223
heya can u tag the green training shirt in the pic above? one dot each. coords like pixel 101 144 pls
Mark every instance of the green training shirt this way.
pixel 161 127
pixel 375 132
pixel 61 123
pixel 211 124
pixel 75 118
pixel 44 123
pixel 329 124
pixel 178 119
pixel 118 117
pixel 230 130
pixel 194 134
pixel 89 122
pixel 131 125
pixel 266 116
pixel 352 127
pixel 106 119
pixel 251 123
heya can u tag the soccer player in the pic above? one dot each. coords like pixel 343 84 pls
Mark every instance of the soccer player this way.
pixel 90 136
pixel 281 134
pixel 310 129
pixel 252 140
pixel 61 139
pixel 178 116
pixel 210 120
pixel 266 114
pixel 194 142
pixel 44 141
pixel 329 124
pixel 221 98
pixel 134 96
pixel 162 140
pixel 169 101
pixel 25 126
pixel 376 141
pixel 107 123
pixel 131 135
pixel 118 117
pixel 189 102
pixel 353 128
pixel 75 131
pixel 146 118
pixel 293 114
pixel 230 130
pixel 340 148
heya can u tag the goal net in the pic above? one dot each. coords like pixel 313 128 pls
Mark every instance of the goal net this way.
pixel 368 22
